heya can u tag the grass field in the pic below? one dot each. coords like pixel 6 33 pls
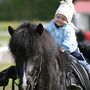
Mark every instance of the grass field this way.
pixel 14 24
pixel 4 38
pixel 4 66
pixel 4 35
pixel 4 25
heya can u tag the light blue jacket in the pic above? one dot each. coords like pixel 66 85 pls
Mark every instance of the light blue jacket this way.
pixel 64 36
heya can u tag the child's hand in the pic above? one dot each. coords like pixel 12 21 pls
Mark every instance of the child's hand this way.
pixel 61 49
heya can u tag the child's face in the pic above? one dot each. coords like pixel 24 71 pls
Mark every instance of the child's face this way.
pixel 60 19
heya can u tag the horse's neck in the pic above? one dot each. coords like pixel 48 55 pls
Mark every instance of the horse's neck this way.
pixel 51 77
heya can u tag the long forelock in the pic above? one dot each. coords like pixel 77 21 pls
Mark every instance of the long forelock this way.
pixel 25 41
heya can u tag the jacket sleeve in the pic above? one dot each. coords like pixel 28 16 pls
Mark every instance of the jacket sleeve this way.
pixel 69 42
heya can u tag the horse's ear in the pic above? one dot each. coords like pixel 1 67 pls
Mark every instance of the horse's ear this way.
pixel 10 30
pixel 39 29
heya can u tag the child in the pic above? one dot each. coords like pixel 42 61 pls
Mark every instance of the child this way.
pixel 64 31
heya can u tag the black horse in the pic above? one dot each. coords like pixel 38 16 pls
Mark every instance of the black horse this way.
pixel 39 63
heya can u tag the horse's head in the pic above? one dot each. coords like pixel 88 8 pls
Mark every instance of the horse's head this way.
pixel 25 46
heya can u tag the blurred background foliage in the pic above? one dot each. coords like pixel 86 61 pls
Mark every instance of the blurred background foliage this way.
pixel 43 10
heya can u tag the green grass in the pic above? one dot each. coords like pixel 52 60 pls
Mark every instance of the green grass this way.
pixel 4 38
pixel 14 24
pixel 4 66
pixel 4 25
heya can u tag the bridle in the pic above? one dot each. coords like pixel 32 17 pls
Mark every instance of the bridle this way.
pixel 36 77
pixel 33 80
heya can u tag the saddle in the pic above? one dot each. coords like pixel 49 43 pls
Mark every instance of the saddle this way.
pixel 80 73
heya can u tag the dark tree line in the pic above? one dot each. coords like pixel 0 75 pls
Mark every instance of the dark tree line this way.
pixel 28 9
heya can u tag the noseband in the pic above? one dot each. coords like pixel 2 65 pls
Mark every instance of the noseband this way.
pixel 36 78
